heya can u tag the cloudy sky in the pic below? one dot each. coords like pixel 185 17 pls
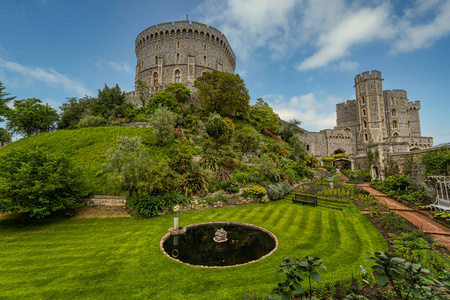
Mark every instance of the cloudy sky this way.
pixel 301 56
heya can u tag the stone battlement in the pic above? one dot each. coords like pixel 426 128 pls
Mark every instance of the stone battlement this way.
pixel 368 75
pixel 395 94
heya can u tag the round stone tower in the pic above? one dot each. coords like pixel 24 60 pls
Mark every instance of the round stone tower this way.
pixel 180 52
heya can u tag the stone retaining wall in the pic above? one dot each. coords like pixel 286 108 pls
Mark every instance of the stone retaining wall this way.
pixel 106 201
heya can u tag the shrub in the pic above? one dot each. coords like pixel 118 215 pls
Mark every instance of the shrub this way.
pixel 181 161
pixel 163 122
pixel 258 191
pixel 397 183
pixel 92 121
pixel 216 127
pixel 329 168
pixel 303 172
pixel 211 162
pixel 151 205
pixel 278 191
pixel 268 168
pixel 231 186
pixel 38 183
pixel 242 177
pixel 193 182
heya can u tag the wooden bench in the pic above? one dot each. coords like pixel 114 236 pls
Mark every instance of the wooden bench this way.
pixel 305 199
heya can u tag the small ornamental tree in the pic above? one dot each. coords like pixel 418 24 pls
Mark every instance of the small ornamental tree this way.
pixel 179 91
pixel 165 99
pixel 263 116
pixel 247 139
pixel 216 127
pixel 38 183
pixel 31 116
pixel 163 122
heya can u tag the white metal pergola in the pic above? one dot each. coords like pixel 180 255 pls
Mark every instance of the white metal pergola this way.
pixel 442 193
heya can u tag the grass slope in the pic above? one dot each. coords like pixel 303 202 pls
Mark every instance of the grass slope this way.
pixel 119 258
pixel 87 149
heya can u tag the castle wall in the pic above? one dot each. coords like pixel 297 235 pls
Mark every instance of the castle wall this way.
pixel 180 52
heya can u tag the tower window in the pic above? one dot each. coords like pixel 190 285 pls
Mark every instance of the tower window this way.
pixel 156 60
pixel 363 100
pixel 382 123
pixel 364 112
pixel 178 57
pixel 178 45
pixel 142 65
pixel 365 124
pixel 204 47
pixel 396 134
pixel 365 137
pixel 155 78
pixel 156 47
pixel 177 76
pixel 394 124
pixel 394 113
pixel 204 60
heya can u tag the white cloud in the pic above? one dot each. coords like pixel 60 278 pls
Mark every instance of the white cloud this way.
pixel 348 65
pixel 414 37
pixel 123 67
pixel 315 113
pixel 51 77
pixel 330 29
pixel 362 26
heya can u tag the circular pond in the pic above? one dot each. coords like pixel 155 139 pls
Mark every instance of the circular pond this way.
pixel 219 244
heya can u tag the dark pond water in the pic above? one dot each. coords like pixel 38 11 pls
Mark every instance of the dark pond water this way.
pixel 197 247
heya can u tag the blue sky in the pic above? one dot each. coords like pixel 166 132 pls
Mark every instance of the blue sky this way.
pixel 299 56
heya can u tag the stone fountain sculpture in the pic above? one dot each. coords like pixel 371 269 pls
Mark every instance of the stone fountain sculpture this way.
pixel 221 236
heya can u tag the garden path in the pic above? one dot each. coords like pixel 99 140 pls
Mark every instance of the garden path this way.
pixel 439 232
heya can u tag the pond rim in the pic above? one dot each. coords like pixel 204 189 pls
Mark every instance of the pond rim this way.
pixel 167 235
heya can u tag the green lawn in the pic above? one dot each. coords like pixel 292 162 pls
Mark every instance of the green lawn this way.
pixel 119 258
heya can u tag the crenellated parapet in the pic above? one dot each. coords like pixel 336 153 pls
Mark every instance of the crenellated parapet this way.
pixel 180 30
pixel 367 76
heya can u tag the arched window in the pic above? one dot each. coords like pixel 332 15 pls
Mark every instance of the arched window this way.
pixel 395 134
pixel 307 147
pixel 178 45
pixel 204 60
pixel 365 124
pixel 156 60
pixel 394 113
pixel 363 100
pixel 178 57
pixel 364 112
pixel 366 137
pixel 155 78
pixel 177 76
pixel 394 124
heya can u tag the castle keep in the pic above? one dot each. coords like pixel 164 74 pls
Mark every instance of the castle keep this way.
pixel 378 121
pixel 179 52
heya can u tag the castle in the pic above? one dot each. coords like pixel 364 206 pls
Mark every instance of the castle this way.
pixel 179 52
pixel 376 121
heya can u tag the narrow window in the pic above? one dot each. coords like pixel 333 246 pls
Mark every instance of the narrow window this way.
pixel 178 57
pixel 307 147
pixel 142 65
pixel 177 76
pixel 204 47
pixel 204 60
pixel 365 137
pixel 178 45
pixel 156 60
pixel 364 112
pixel 382 123
pixel 155 78
pixel 394 113
pixel 362 100
pixel 365 124
pixel 394 124
pixel 409 125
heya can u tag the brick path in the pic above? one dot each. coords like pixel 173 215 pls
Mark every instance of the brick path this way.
pixel 439 232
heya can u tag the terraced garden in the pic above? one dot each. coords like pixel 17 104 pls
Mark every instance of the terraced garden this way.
pixel 120 257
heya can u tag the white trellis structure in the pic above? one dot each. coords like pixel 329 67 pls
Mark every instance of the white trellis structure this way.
pixel 442 193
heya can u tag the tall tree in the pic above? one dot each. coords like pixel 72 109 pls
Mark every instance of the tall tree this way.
pixel 179 91
pixel 110 103
pixel 165 99
pixel 263 116
pixel 4 109
pixel 31 116
pixel 73 111
pixel 223 92
pixel 144 92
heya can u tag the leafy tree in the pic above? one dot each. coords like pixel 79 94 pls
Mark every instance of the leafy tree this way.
pixel 223 92
pixel 144 92
pixel 165 99
pixel 268 168
pixel 437 161
pixel 216 127
pixel 30 116
pixel 294 126
pixel 91 121
pixel 38 183
pixel 179 91
pixel 286 134
pixel 299 147
pixel 263 116
pixel 73 111
pixel 134 172
pixel 4 136
pixel 163 122
pixel 4 109
pixel 110 103
pixel 247 139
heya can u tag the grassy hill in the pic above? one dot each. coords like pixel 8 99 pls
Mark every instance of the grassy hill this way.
pixel 87 148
